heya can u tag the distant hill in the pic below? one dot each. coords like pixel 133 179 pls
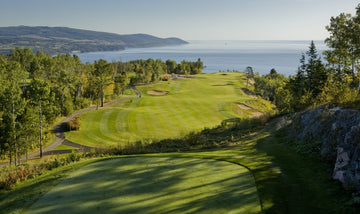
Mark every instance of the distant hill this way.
pixel 54 40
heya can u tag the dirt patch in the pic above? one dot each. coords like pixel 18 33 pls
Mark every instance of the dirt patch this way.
pixel 256 114
pixel 251 81
pixel 157 93
pixel 253 114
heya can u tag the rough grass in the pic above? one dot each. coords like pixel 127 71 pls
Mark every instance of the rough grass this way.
pixel 154 185
pixel 191 105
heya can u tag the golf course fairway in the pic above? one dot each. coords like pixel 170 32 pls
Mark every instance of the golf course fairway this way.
pixel 189 105
pixel 154 185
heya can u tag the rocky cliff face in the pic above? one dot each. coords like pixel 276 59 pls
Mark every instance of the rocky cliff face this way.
pixel 337 130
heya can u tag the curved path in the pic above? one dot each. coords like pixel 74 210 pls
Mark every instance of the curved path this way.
pixel 60 136
pixel 135 90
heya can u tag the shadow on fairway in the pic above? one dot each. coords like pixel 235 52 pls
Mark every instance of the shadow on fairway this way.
pixel 154 185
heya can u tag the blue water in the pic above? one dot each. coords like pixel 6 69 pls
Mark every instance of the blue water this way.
pixel 217 56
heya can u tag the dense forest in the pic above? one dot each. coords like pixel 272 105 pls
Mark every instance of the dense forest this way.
pixel 334 79
pixel 39 88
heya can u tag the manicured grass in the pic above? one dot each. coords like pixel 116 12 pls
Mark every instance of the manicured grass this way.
pixel 27 192
pixel 286 181
pixel 191 105
pixel 63 147
pixel 154 185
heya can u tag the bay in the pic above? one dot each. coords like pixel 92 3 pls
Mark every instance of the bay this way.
pixel 283 56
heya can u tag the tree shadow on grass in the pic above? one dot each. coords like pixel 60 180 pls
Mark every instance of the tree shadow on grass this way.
pixel 14 201
pixel 154 185
pixel 305 184
pixel 285 181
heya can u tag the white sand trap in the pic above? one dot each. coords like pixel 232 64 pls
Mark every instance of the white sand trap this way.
pixel 158 93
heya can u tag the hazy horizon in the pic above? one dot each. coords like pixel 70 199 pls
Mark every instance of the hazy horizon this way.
pixel 187 19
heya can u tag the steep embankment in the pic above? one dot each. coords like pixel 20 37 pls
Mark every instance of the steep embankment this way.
pixel 335 133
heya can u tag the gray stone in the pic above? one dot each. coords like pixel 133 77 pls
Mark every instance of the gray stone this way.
pixel 338 130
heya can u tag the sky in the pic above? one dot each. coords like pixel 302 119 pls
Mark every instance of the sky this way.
pixel 185 19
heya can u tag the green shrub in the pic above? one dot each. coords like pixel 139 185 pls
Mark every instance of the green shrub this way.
pixel 81 103
pixel 68 107
pixel 73 156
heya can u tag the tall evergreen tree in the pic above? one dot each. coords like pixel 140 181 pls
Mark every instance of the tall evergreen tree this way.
pixel 101 77
pixel 303 89
pixel 316 73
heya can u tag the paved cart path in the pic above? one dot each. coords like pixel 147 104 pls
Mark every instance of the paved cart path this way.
pixel 60 136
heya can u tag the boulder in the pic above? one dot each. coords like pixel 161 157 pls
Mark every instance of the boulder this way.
pixel 338 130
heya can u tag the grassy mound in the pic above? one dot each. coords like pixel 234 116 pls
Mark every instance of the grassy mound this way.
pixel 190 106
pixel 154 185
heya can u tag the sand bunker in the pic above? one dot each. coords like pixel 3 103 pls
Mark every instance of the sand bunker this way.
pixel 243 106
pixel 157 93
pixel 254 114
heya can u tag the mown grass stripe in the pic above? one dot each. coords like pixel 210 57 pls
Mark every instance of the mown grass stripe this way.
pixel 191 105
pixel 122 116
pixel 107 125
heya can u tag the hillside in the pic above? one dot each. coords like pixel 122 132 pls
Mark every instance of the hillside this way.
pixel 54 40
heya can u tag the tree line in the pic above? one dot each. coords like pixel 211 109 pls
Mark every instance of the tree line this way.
pixel 335 79
pixel 36 89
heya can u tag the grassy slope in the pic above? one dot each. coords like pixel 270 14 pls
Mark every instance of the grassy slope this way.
pixel 25 193
pixel 154 185
pixel 191 105
pixel 286 181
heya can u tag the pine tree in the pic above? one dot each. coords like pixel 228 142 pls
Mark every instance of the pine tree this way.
pixel 315 71
pixel 101 77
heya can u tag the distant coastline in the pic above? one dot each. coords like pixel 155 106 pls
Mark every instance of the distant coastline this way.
pixel 221 55
pixel 54 40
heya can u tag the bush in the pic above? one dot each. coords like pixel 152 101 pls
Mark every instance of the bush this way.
pixel 165 78
pixel 12 175
pixel 74 156
pixel 74 123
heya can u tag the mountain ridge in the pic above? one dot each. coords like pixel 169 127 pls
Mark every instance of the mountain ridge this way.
pixel 54 40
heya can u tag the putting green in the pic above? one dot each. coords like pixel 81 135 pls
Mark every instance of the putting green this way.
pixel 154 185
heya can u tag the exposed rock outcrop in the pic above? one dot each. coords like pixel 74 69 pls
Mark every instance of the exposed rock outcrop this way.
pixel 338 130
